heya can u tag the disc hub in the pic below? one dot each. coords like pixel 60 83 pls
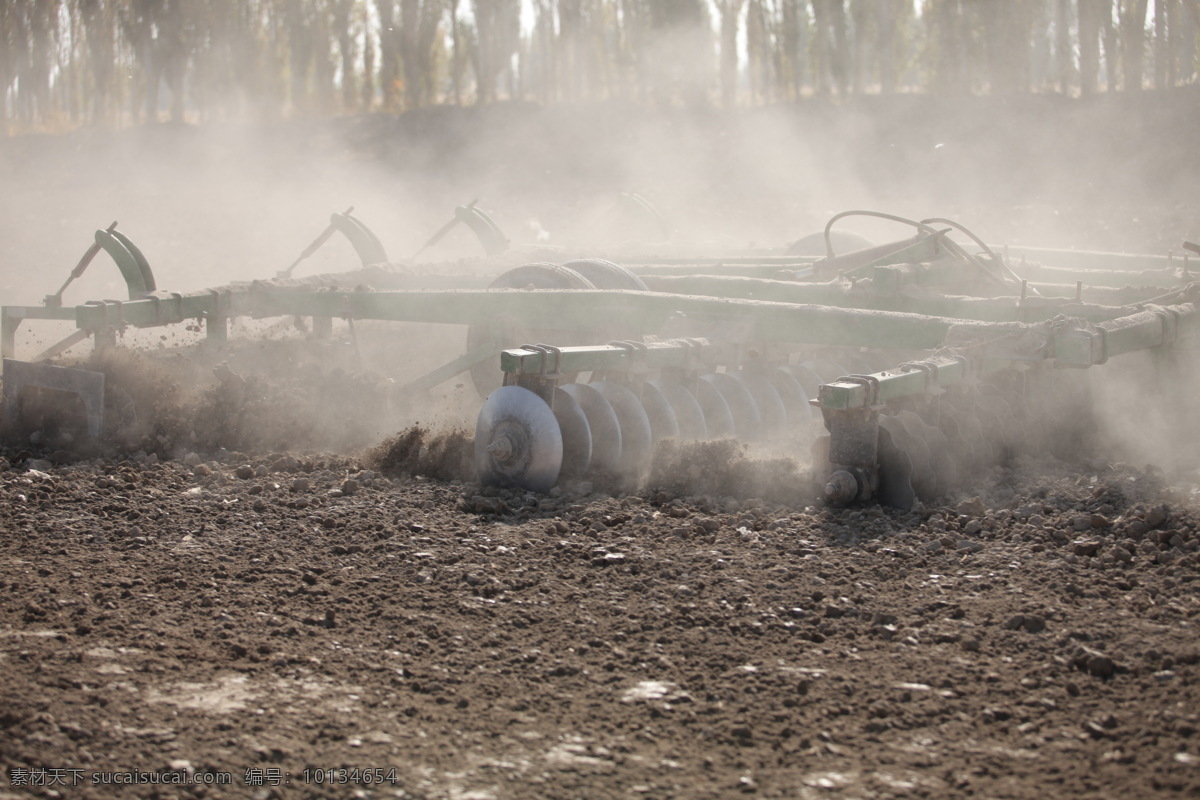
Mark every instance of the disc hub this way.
pixel 509 445
pixel 502 447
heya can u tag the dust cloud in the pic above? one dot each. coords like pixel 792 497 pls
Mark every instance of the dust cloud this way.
pixel 221 202
pixel 224 202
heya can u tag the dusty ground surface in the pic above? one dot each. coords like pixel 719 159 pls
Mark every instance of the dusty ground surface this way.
pixel 281 619
pixel 215 596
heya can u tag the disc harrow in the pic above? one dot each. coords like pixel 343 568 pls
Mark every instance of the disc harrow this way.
pixel 905 368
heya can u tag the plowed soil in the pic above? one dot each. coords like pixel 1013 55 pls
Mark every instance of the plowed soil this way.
pixel 282 619
pixel 229 600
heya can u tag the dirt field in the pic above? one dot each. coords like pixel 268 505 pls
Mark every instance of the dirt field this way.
pixel 282 619
pixel 237 602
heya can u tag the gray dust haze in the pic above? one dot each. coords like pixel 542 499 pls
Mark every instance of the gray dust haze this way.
pixel 217 203
pixel 220 202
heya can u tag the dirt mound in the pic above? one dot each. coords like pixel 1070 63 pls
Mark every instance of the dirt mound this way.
pixel 444 456
pixel 254 396
pixel 725 468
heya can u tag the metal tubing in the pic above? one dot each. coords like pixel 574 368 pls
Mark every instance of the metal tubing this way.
pixel 582 309
pixel 1151 328
pixel 893 384
pixel 1076 261
pixel 925 246
pixel 653 355
pixel 763 267
pixel 448 371
pixel 11 318
pixel 990 309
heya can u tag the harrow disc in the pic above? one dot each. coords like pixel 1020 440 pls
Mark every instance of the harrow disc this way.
pixel 603 426
pixel 636 438
pixel 895 471
pixel 907 430
pixel 974 438
pixel 948 423
pixel 964 433
pixel 718 419
pixel 1001 423
pixel 770 405
pixel 805 376
pixel 576 435
pixel 688 412
pixel 941 455
pixel 517 441
pixel 792 395
pixel 663 423
pixel 607 275
pixel 814 244
pixel 747 421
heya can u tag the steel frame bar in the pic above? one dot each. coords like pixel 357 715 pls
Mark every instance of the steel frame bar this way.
pixel 677 354
pixel 584 309
pixel 1078 346
pixel 1084 262
pixel 888 297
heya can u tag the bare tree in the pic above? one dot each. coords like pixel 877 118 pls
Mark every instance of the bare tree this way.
pixel 1007 32
pixel 1133 43
pixel 1164 62
pixel 1064 57
pixel 80 61
pixel 793 46
pixel 498 33
pixel 419 21
pixel 342 21
pixel 863 18
pixel 730 13
pixel 1187 23
pixel 460 54
pixel 893 16
pixel 759 49
pixel 367 82
pixel 829 52
pixel 945 34
pixel 1090 12
pixel 389 54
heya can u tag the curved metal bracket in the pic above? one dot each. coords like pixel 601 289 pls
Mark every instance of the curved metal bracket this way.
pixel 488 232
pixel 644 209
pixel 133 265
pixel 366 244
pixel 139 278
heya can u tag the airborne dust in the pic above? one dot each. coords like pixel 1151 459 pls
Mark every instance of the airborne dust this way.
pixel 219 203
pixel 287 611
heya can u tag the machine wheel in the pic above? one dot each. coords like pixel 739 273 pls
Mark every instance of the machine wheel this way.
pixel 606 275
pixel 603 425
pixel 770 405
pixel 688 412
pixel 517 441
pixel 576 435
pixel 663 424
pixel 718 419
pixel 637 441
pixel 507 332
pixel 843 242
pixel 747 421
pixel 795 400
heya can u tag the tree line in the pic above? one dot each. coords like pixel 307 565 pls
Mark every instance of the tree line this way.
pixel 65 63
